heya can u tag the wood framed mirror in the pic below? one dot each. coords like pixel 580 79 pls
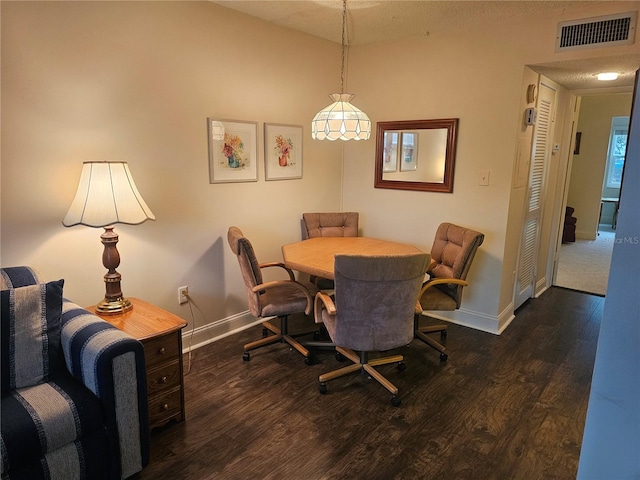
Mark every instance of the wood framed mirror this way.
pixel 416 154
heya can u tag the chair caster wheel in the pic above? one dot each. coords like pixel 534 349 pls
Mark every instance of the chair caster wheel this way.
pixel 316 336
pixel 323 388
pixel 443 357
pixel 246 356
pixel 443 334
pixel 265 332
pixel 401 366
pixel 340 357
pixel 395 401
pixel 308 361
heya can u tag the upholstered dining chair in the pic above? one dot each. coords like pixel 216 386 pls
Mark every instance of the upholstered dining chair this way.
pixel 453 250
pixel 373 311
pixel 328 224
pixel 276 298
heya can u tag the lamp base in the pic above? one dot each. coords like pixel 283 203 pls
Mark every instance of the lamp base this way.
pixel 114 307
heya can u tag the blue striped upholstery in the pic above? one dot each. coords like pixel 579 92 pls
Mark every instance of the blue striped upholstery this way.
pixel 90 419
pixel 30 334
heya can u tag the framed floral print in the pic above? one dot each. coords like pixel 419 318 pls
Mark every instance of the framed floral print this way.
pixel 233 156
pixel 282 151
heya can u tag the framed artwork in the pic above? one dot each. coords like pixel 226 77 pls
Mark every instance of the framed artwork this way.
pixel 409 155
pixel 234 157
pixel 390 152
pixel 282 151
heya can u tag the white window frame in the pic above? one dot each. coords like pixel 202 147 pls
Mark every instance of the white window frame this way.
pixel 618 124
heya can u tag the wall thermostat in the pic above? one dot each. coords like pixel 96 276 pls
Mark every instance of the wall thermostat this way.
pixel 530 115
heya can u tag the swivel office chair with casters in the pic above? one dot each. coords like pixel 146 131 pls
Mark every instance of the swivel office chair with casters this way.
pixel 276 298
pixel 373 311
pixel 453 250
pixel 328 224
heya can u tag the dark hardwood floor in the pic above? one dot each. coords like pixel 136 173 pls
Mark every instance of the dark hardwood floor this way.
pixel 502 407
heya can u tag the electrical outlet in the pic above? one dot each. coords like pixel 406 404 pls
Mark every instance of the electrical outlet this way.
pixel 182 294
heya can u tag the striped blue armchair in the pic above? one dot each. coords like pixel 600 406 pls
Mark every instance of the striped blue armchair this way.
pixel 74 399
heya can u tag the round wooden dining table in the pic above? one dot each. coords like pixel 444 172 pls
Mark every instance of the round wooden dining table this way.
pixel 315 256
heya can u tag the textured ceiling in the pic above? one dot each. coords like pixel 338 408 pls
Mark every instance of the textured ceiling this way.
pixel 371 21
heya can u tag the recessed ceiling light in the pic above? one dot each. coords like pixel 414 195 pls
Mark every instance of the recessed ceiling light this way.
pixel 607 76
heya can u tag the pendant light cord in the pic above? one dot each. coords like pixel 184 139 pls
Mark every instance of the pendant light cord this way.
pixel 344 24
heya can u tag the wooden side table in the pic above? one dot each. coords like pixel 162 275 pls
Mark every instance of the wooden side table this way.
pixel 161 335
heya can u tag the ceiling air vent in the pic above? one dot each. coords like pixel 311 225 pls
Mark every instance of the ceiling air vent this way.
pixel 596 32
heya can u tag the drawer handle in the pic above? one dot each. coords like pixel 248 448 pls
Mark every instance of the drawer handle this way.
pixel 163 379
pixel 162 351
pixel 165 406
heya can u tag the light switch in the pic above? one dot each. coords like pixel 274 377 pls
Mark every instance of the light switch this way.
pixel 484 178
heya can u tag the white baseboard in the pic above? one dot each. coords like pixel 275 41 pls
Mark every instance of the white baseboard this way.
pixel 476 320
pixel 201 336
pixel 583 235
pixel 541 287
pixel 211 332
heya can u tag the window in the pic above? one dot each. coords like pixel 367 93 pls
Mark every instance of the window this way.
pixel 617 150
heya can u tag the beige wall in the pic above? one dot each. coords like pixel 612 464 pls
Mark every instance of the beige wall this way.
pixel 136 82
pixel 476 75
pixel 588 168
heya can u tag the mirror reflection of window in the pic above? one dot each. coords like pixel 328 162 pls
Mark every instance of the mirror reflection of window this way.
pixel 424 164
pixel 390 155
pixel 409 152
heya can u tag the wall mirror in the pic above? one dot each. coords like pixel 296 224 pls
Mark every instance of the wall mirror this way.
pixel 416 154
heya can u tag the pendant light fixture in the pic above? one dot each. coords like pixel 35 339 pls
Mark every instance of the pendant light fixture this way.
pixel 341 120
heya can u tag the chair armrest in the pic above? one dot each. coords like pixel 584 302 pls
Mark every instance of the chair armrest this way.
pixel 281 265
pixel 280 283
pixel 432 265
pixel 441 281
pixel 323 301
pixel 111 364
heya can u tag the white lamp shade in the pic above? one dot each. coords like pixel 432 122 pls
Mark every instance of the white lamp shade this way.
pixel 107 195
pixel 341 121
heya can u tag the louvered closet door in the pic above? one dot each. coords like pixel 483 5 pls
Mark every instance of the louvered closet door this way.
pixel 541 152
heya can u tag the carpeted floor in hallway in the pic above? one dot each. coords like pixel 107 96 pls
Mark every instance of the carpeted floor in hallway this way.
pixel 584 264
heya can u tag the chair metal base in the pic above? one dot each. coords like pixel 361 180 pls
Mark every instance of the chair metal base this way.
pixel 280 335
pixel 421 334
pixel 362 364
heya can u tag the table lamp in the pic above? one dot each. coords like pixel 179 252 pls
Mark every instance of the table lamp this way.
pixel 108 195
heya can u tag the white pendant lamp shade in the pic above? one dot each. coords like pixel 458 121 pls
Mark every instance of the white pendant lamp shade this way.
pixel 107 195
pixel 341 121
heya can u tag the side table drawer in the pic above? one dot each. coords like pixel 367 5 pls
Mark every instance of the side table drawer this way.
pixel 162 349
pixel 161 335
pixel 163 377
pixel 165 407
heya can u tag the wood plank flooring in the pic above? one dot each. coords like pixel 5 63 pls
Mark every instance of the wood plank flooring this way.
pixel 502 407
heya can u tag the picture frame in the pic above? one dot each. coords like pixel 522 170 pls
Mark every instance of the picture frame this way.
pixel 282 151
pixel 234 158
pixel 409 155
pixel 390 153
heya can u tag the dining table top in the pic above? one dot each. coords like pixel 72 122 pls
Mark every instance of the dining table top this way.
pixel 315 256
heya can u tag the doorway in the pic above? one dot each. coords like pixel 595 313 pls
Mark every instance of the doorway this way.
pixel 584 264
